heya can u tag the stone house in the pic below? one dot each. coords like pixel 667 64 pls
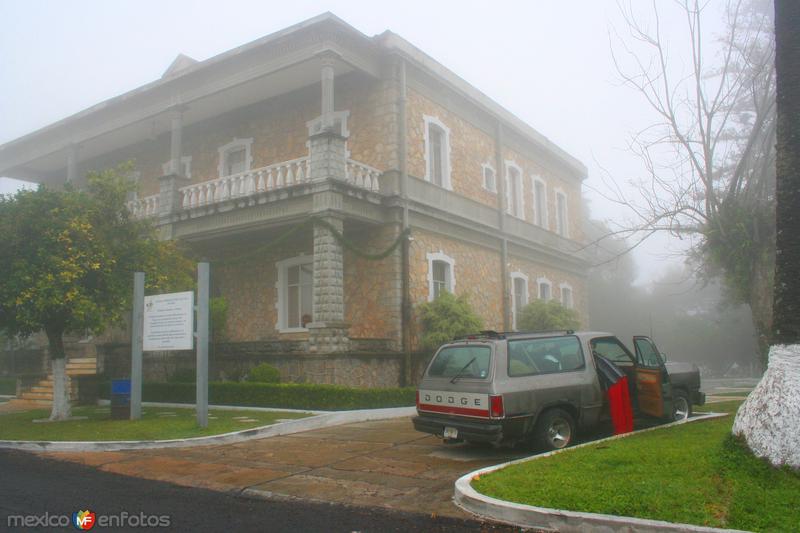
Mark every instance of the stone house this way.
pixel 288 160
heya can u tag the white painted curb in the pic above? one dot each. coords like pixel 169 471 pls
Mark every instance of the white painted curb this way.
pixel 284 428
pixel 530 516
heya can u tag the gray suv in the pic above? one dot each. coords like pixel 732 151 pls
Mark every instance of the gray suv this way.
pixel 542 387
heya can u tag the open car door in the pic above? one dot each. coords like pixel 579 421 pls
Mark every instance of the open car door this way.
pixel 652 381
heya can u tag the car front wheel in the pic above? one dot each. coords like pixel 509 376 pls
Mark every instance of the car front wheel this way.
pixel 554 430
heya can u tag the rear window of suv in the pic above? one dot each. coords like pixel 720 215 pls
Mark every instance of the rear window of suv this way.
pixel 469 361
pixel 544 355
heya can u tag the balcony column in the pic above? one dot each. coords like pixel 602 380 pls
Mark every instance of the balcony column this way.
pixel 327 145
pixel 169 196
pixel 328 333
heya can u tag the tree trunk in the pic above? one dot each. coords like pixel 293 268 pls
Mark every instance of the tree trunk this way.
pixel 58 358
pixel 769 420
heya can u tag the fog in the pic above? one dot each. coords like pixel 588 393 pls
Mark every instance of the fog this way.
pixel 548 62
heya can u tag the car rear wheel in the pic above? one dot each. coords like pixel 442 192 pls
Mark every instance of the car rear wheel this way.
pixel 554 430
pixel 681 406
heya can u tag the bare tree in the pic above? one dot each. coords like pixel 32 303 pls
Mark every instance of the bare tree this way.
pixel 709 156
pixel 769 420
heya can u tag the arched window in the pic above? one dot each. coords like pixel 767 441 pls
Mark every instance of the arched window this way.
pixel 437 152
pixel 519 296
pixel 545 289
pixel 441 275
pixel 516 206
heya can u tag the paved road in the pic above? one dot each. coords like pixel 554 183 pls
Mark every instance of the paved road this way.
pixel 381 463
pixel 34 485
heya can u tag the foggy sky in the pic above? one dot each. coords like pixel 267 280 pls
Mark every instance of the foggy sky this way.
pixel 546 61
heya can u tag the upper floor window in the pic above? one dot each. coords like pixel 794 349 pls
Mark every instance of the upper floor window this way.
pixel 566 295
pixel 489 179
pixel 519 296
pixel 235 157
pixel 437 152
pixel 186 167
pixel 539 202
pixel 562 224
pixel 545 289
pixel 514 190
pixel 440 274
pixel 295 285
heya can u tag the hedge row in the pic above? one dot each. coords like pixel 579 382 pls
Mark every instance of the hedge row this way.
pixel 285 395
pixel 8 386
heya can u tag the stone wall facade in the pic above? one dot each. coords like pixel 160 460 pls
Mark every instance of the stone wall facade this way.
pixel 535 271
pixel 476 272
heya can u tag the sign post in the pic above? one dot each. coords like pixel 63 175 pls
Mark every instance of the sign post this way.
pixel 136 345
pixel 202 344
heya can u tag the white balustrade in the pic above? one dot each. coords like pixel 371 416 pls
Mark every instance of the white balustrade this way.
pixel 269 178
pixel 363 176
pixel 144 207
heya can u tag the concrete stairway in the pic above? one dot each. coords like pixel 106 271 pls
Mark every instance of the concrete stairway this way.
pixel 41 393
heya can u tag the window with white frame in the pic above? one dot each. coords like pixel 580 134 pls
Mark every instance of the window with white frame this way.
pixel 295 285
pixel 516 206
pixel 437 152
pixel 562 224
pixel 186 167
pixel 519 296
pixel 489 179
pixel 235 157
pixel 545 289
pixel 441 274
pixel 566 295
pixel 539 202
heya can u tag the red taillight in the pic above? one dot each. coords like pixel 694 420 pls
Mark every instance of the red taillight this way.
pixel 417 399
pixel 496 407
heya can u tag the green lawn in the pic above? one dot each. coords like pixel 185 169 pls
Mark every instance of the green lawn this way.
pixel 156 424
pixel 694 473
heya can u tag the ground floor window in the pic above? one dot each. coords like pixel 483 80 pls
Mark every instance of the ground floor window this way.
pixel 545 289
pixel 566 295
pixel 441 276
pixel 519 296
pixel 295 285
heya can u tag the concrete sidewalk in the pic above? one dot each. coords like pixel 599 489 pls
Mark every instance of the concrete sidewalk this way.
pixel 383 463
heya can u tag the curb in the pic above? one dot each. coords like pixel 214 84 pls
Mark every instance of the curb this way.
pixel 176 405
pixel 319 421
pixel 529 516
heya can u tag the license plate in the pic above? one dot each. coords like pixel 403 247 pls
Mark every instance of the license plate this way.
pixel 450 433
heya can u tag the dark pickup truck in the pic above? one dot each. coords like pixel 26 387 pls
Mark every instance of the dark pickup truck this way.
pixel 542 387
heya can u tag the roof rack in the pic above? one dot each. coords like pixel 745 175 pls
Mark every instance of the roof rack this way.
pixel 491 334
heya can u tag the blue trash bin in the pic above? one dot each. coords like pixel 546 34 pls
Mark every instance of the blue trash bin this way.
pixel 120 399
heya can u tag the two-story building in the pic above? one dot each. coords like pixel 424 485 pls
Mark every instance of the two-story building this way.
pixel 297 162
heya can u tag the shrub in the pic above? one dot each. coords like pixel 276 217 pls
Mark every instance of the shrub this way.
pixel 183 375
pixel 541 315
pixel 264 373
pixel 282 395
pixel 8 386
pixel 218 311
pixel 445 318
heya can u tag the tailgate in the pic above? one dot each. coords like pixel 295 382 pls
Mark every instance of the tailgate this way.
pixel 471 404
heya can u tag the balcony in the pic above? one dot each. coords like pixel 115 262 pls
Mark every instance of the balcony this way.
pixel 252 183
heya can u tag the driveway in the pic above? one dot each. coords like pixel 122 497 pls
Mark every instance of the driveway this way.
pixel 381 463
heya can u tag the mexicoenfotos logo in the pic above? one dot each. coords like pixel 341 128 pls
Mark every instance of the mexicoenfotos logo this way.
pixel 84 520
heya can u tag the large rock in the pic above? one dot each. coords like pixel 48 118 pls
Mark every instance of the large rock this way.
pixel 769 419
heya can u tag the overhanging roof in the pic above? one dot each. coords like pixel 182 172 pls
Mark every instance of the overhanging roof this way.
pixel 247 74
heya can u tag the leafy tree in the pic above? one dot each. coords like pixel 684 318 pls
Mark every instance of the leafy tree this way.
pixel 709 155
pixel 66 263
pixel 541 315
pixel 445 318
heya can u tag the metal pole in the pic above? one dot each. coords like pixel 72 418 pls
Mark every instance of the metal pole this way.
pixel 137 338
pixel 202 344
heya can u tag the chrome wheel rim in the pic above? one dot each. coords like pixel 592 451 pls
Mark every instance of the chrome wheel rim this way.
pixel 559 433
pixel 681 411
